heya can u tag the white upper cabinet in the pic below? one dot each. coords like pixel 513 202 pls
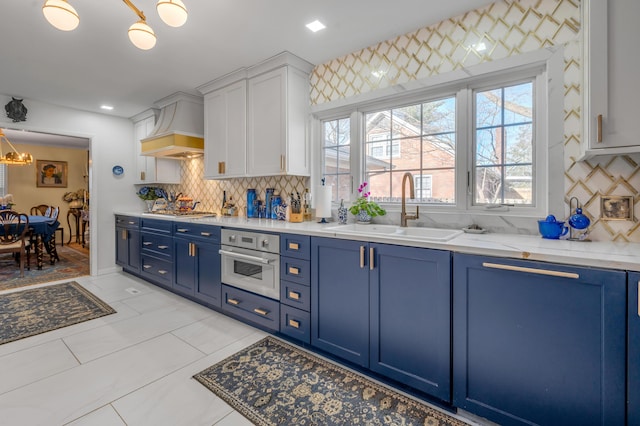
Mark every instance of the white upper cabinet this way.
pixel 611 89
pixel 225 131
pixel 256 120
pixel 151 170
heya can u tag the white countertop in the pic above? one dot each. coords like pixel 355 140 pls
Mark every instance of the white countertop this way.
pixel 613 255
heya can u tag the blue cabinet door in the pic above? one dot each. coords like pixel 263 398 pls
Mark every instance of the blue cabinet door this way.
pixel 633 347
pixel 208 283
pixel 411 317
pixel 128 249
pixel 340 298
pixel 538 343
pixel 185 266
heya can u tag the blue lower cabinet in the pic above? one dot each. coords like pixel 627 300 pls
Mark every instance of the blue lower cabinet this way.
pixel 633 347
pixel 157 270
pixel 411 317
pixel 261 311
pixel 197 270
pixel 295 323
pixel 340 299
pixel 538 343
pixel 128 248
pixel 185 264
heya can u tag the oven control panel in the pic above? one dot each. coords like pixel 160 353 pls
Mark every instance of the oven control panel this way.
pixel 251 240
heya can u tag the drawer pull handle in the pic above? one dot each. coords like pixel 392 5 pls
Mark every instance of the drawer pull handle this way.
pixel 124 234
pixel 162 272
pixel 146 266
pixel 294 246
pixel 361 257
pixel 147 243
pixel 205 234
pixel 261 311
pixel 293 270
pixel 183 230
pixel 163 247
pixel 233 301
pixel 294 323
pixel 531 270
pixel 371 256
pixel 131 223
pixel 296 296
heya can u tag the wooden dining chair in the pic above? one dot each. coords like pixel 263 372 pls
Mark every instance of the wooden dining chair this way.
pixel 14 230
pixel 50 211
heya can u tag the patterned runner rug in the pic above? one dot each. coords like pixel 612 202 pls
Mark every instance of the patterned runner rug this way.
pixel 72 264
pixel 29 312
pixel 274 383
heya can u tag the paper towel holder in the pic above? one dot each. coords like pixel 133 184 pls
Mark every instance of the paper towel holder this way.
pixel 323 202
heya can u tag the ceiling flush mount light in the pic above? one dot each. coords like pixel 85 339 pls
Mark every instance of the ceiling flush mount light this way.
pixel 13 156
pixel 61 14
pixel 315 26
pixel 172 12
pixel 107 107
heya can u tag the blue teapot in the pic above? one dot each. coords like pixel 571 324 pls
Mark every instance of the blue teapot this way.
pixel 551 228
pixel 579 220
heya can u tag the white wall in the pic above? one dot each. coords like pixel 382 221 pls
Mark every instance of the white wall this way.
pixel 112 143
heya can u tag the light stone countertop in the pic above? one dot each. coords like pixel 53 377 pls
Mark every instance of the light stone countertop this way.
pixel 612 255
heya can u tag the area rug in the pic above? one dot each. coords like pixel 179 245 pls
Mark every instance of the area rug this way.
pixel 72 264
pixel 274 383
pixel 34 311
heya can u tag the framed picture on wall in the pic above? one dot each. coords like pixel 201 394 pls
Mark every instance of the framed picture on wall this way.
pixel 51 174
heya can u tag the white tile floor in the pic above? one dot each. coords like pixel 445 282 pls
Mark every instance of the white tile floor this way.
pixel 130 368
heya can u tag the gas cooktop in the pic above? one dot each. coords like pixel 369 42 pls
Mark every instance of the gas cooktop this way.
pixel 181 213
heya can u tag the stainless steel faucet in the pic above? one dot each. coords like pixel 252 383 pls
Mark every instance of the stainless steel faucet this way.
pixel 403 215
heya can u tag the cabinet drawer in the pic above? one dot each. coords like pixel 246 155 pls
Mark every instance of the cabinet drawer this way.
pixel 298 246
pixel 295 270
pixel 156 225
pixel 159 245
pixel 157 270
pixel 197 231
pixel 127 221
pixel 252 307
pixel 295 295
pixel 295 323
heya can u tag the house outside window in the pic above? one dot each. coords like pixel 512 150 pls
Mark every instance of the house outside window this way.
pixel 336 157
pixel 423 187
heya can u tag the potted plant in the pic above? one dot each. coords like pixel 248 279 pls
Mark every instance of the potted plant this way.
pixel 150 194
pixel 363 208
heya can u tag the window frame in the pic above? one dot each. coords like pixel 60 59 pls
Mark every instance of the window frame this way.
pixel 545 65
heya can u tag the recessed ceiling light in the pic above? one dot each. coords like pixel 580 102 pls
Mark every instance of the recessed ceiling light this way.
pixel 315 26
pixel 107 107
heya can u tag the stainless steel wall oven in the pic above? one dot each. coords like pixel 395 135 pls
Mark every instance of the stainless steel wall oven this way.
pixel 251 261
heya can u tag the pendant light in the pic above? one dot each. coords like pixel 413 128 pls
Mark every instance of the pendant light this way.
pixel 172 12
pixel 13 157
pixel 61 14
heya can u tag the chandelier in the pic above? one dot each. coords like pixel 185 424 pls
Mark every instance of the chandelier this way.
pixel 64 17
pixel 13 156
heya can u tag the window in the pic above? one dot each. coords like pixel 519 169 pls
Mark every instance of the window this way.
pixel 503 145
pixel 418 138
pixel 473 145
pixel 336 156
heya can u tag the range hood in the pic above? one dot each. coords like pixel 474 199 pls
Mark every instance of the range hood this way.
pixel 179 132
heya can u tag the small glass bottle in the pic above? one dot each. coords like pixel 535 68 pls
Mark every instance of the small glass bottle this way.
pixel 251 200
pixel 306 206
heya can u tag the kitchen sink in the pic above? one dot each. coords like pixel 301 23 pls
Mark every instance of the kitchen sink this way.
pixel 393 231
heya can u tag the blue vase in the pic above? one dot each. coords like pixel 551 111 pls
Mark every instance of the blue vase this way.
pixel 251 200
pixel 363 216
pixel 342 213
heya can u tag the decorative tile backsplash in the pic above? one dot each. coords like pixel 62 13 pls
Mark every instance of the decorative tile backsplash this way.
pixel 506 28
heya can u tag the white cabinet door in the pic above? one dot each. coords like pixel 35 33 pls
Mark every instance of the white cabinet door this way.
pixel 278 108
pixel 151 169
pixel 611 86
pixel 225 129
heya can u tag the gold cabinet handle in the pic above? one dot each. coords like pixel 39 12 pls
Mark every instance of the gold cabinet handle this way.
pixel 282 163
pixel 142 175
pixel 163 247
pixel 293 246
pixel 124 234
pixel 146 266
pixel 205 234
pixel 131 223
pixel 293 270
pixel 371 255
pixel 162 272
pixel 294 323
pixel 182 230
pixel 296 296
pixel 147 243
pixel 599 130
pixel 361 257
pixel 233 301
pixel 261 311
pixel 531 270
pixel 192 250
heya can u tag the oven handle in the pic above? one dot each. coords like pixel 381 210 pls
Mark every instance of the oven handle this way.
pixel 245 256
